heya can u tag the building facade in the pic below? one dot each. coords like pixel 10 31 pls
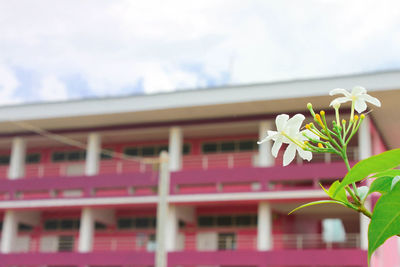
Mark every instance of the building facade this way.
pixel 79 180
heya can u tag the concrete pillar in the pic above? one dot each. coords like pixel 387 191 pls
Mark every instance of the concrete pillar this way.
pixel 364 151
pixel 265 158
pixel 86 230
pixel 364 139
pixel 9 231
pixel 17 162
pixel 162 211
pixel 264 226
pixel 175 148
pixel 93 154
pixel 172 226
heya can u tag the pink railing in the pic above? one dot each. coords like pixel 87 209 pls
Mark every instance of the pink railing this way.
pixel 189 162
pixel 280 242
pixel 221 160
pixel 123 243
pixel 313 241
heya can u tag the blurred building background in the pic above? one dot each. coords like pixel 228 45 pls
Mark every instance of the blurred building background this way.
pixel 69 196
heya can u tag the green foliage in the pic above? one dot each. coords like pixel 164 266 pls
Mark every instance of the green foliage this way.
pixel 382 185
pixel 372 165
pixel 385 221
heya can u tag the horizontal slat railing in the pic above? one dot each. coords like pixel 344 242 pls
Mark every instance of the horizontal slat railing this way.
pixel 292 177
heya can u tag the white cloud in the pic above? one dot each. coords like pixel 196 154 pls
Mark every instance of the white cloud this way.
pixel 52 89
pixel 8 86
pixel 115 44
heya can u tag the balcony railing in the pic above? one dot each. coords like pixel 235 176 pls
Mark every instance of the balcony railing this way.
pixel 314 241
pixel 189 162
pixel 280 242
pixel 124 243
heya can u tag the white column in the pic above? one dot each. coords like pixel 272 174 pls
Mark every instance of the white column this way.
pixel 175 148
pixel 86 230
pixel 17 162
pixel 93 154
pixel 264 227
pixel 162 211
pixel 265 157
pixel 9 231
pixel 172 226
pixel 364 151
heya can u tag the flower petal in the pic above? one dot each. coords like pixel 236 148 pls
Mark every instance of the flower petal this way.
pixel 304 154
pixel 338 91
pixel 340 100
pixel 294 124
pixel 281 121
pixel 358 90
pixel 373 100
pixel 289 155
pixel 360 105
pixel 271 135
pixel 277 145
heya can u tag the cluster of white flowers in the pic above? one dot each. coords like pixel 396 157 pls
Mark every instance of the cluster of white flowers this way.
pixel 288 129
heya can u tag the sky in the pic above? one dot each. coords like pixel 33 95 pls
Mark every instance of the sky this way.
pixel 61 50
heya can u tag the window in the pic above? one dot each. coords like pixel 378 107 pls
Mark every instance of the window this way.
pixel 132 151
pixel 24 227
pixel 148 151
pixel 247 145
pixel 65 243
pixel 206 221
pixel 107 154
pixel 62 224
pixel 76 155
pixel 210 147
pixel 224 221
pixel 141 223
pixel 229 146
pixel 100 226
pixel 137 223
pixel 243 220
pixel 32 158
pixel 226 241
pixel 186 149
pixel 125 223
pixel 4 160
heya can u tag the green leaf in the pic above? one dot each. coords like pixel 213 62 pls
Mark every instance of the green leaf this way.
pixel 385 221
pixel 381 185
pixel 379 163
pixel 391 173
pixel 338 194
pixel 317 203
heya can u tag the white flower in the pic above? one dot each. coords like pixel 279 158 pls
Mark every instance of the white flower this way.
pixel 288 132
pixel 358 96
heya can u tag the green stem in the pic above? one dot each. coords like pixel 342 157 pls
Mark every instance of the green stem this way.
pixel 346 161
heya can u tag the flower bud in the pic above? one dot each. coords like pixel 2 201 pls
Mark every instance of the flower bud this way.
pixel 343 121
pixel 308 127
pixel 362 116
pixel 322 112
pixel 320 145
pixel 355 117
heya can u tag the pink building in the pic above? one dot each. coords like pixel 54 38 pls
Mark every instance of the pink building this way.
pixel 63 205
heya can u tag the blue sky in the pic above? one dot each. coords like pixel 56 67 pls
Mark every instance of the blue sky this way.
pixel 59 50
